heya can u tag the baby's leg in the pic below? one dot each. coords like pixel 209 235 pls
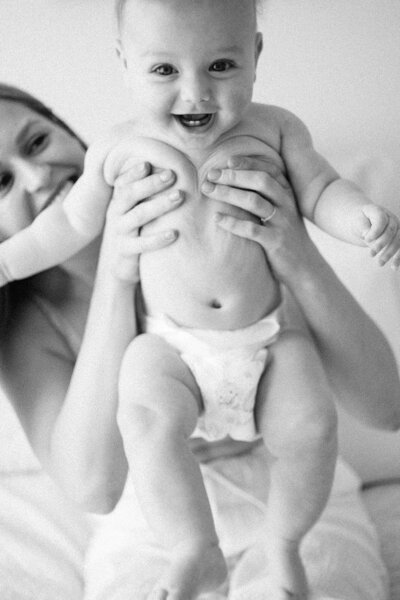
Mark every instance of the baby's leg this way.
pixel 297 418
pixel 159 406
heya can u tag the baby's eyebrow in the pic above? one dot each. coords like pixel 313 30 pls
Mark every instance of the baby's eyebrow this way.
pixel 157 54
pixel 228 49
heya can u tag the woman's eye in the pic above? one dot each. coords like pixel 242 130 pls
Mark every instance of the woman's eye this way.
pixel 165 70
pixel 6 181
pixel 37 143
pixel 219 66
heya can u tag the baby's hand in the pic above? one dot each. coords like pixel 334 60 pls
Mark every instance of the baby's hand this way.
pixel 383 234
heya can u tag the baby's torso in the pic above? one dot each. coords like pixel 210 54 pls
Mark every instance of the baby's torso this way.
pixel 209 278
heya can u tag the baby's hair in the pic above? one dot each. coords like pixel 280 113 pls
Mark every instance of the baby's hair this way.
pixel 120 8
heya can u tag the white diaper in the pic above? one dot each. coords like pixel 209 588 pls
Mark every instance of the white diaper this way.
pixel 227 366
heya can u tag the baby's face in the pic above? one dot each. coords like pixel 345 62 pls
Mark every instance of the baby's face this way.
pixel 190 64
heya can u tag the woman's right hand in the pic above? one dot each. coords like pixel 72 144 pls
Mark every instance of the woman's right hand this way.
pixel 138 198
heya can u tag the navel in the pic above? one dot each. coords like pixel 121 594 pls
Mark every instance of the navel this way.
pixel 215 304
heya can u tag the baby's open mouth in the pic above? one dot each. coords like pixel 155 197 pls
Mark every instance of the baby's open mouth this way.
pixel 194 120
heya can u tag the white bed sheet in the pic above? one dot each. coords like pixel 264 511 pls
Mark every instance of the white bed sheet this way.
pixel 44 538
pixel 383 504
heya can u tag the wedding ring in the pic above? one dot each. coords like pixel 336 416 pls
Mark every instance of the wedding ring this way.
pixel 266 219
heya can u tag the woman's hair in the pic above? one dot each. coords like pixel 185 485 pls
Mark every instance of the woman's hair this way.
pixel 10 293
pixel 14 94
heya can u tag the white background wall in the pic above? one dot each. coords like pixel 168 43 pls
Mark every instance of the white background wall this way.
pixel 336 63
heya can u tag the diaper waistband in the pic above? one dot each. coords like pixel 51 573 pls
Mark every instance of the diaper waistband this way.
pixel 262 332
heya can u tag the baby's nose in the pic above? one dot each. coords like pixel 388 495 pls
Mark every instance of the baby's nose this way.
pixel 196 89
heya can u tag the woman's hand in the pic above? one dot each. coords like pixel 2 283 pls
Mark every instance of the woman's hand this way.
pixel 259 187
pixel 138 198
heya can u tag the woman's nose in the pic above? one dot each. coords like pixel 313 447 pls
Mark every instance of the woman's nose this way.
pixel 35 176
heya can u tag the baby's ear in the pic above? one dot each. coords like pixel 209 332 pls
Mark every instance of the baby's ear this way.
pixel 120 52
pixel 258 45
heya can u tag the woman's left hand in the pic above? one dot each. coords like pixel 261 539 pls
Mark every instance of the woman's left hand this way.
pixel 260 188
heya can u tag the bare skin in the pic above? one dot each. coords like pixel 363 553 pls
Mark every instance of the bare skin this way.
pixel 59 374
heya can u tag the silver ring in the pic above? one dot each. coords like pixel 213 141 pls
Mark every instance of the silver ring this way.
pixel 266 219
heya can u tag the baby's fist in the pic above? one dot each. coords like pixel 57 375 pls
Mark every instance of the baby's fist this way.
pixel 383 235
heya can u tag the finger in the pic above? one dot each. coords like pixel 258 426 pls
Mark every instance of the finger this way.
pixel 266 184
pixel 379 220
pixel 385 239
pixel 132 172
pixel 246 199
pixel 151 209
pixel 396 261
pixel 126 196
pixel 148 243
pixel 389 250
pixel 242 228
pixel 259 163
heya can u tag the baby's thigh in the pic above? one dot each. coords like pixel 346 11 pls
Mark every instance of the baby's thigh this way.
pixel 154 380
pixel 294 401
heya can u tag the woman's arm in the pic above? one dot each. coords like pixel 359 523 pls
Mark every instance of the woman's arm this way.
pixel 69 410
pixel 357 357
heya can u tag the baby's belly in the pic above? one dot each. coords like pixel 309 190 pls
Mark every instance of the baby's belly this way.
pixel 209 278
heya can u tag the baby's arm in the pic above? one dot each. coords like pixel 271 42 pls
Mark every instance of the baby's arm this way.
pixel 63 229
pixel 336 205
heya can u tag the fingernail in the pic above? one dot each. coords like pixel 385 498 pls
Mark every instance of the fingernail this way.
pixel 207 187
pixel 170 235
pixel 143 167
pixel 214 174
pixel 175 197
pixel 166 175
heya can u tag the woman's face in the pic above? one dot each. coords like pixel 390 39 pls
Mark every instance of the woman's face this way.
pixel 39 162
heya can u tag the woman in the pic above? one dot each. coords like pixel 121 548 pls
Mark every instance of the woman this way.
pixel 64 332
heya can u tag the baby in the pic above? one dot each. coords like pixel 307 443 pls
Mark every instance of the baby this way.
pixel 215 360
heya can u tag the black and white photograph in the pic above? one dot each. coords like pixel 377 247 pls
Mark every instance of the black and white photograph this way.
pixel 199 300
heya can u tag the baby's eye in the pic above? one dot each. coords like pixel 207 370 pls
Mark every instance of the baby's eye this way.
pixel 165 70
pixel 37 143
pixel 6 181
pixel 219 66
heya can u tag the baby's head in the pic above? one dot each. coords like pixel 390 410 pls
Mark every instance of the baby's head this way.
pixel 190 63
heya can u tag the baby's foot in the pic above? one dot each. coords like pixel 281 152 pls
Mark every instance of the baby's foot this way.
pixel 287 576
pixel 191 573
